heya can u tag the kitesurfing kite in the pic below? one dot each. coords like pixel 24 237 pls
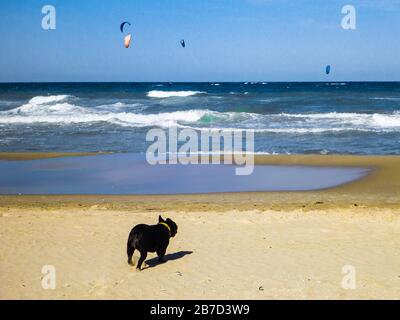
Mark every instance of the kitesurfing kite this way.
pixel 328 69
pixel 121 27
pixel 127 41
pixel 128 37
pixel 183 44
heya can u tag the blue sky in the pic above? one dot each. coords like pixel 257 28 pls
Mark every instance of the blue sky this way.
pixel 227 40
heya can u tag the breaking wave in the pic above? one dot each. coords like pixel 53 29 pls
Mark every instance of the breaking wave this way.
pixel 64 109
pixel 169 94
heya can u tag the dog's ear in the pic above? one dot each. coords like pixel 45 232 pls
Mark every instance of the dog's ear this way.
pixel 160 219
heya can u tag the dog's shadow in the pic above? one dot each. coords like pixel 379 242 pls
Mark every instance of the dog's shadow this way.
pixel 171 256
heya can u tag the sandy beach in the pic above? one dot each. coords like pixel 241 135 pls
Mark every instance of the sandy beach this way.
pixel 268 131
pixel 264 245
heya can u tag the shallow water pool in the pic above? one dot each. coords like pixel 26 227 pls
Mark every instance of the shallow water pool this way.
pixel 131 174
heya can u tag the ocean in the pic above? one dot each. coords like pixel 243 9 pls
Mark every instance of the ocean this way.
pixel 288 118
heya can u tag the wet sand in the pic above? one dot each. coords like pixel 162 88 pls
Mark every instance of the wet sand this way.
pixel 15 156
pixel 263 245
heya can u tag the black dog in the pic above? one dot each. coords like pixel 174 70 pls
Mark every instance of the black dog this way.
pixel 155 238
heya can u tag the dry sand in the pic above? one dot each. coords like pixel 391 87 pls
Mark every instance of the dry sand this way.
pixel 216 255
pixel 229 246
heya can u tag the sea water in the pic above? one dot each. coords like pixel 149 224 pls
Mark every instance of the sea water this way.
pixel 288 118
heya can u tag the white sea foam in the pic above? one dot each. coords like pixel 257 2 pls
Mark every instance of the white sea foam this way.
pixel 362 119
pixel 280 130
pixel 386 121
pixel 44 105
pixel 169 94
pixel 39 110
pixel 122 118
pixel 386 98
pixel 63 109
pixel 48 99
pixel 306 123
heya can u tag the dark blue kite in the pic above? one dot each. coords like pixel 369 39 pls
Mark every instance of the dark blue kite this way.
pixel 328 69
pixel 121 27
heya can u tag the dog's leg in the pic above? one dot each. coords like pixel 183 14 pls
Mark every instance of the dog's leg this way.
pixel 161 254
pixel 143 256
pixel 130 250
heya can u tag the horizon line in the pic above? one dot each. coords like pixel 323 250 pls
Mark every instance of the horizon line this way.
pixel 177 82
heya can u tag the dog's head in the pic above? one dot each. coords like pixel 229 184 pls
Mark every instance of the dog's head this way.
pixel 172 225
